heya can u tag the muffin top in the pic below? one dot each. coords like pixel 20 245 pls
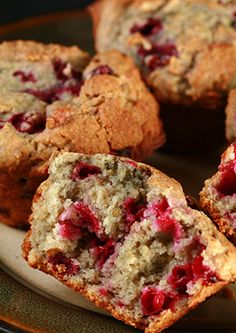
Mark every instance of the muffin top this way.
pixel 185 49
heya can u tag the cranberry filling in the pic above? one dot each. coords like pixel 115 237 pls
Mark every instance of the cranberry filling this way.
pixel 227 183
pixel 61 259
pixel 101 70
pixel 83 170
pixel 158 56
pixel 102 252
pixel 154 300
pixel 151 27
pixel 190 272
pixel 77 220
pixel 25 77
pixel 53 94
pixel 133 212
pixel 29 122
pixel 59 69
pixel 164 223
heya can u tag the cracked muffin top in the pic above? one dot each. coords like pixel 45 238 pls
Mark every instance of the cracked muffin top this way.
pixel 185 49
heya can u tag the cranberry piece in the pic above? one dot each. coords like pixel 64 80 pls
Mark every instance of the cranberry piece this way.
pixel 61 259
pixel 180 277
pixel 193 271
pixel 76 220
pixel 166 224
pixel 103 252
pixel 152 301
pixel 101 70
pixel 133 212
pixel 25 77
pixel 59 67
pixel 159 55
pixel 53 94
pixel 227 183
pixel 83 170
pixel 202 271
pixel 151 27
pixel 30 122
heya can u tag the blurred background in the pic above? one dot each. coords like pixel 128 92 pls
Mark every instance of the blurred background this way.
pixel 11 10
pixel 52 21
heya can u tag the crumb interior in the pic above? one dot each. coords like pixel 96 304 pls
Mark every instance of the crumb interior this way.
pixel 99 221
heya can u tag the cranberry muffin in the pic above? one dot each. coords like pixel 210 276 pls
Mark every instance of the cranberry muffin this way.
pixel 186 52
pixel 218 197
pixel 122 234
pixel 231 116
pixel 51 102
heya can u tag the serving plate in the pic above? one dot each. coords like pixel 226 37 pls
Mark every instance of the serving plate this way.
pixel 36 302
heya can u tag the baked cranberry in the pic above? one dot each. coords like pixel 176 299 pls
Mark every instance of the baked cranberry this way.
pixel 101 70
pixel 25 77
pixel 103 292
pixel 158 56
pixel 151 27
pixel 59 67
pixel 153 301
pixel 133 210
pixel 61 259
pixel 30 122
pixel 102 252
pixel 77 220
pixel 160 211
pixel 227 183
pixel 190 272
pixel 84 170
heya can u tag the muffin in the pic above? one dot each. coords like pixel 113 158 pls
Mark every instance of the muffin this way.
pixel 218 197
pixel 51 102
pixel 186 52
pixel 231 116
pixel 121 233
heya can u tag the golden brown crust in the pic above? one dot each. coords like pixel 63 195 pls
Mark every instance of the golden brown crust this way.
pixel 231 116
pixel 21 50
pixel 211 201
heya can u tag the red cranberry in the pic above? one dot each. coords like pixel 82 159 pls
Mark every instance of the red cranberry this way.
pixel 84 170
pixel 190 272
pixel 154 300
pixel 103 252
pixel 151 27
pixel 29 122
pixel 25 77
pixel 76 220
pixel 101 70
pixel 133 212
pixel 227 183
pixel 61 259
pixel 159 55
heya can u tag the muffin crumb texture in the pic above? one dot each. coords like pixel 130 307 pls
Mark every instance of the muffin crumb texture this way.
pixel 122 234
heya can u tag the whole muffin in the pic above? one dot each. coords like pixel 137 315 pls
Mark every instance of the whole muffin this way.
pixel 51 102
pixel 121 233
pixel 231 116
pixel 218 197
pixel 186 51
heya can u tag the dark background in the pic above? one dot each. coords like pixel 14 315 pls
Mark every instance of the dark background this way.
pixel 12 10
